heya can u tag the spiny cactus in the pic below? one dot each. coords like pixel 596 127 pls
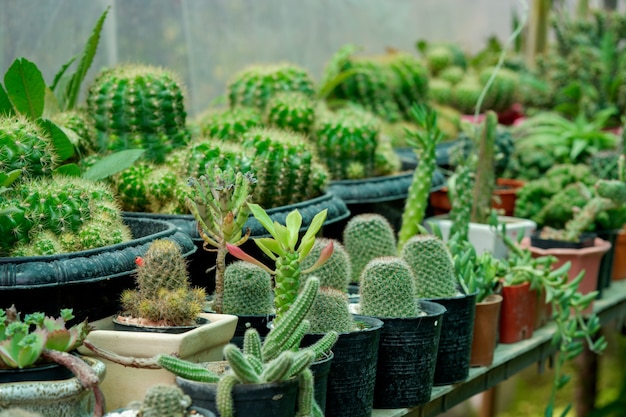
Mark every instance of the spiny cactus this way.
pixel 164 400
pixel 83 132
pixel 387 289
pixel 465 94
pixel 330 312
pixel 410 80
pixel 163 291
pixel 347 137
pixel 485 181
pixel 205 155
pixel 365 237
pixel 452 74
pixel 440 91
pixel 230 124
pixel 503 91
pixel 291 111
pixel 336 272
pixel 247 290
pixel 460 187
pixel 432 266
pixel 138 106
pixel 256 84
pixel 132 187
pixel 438 58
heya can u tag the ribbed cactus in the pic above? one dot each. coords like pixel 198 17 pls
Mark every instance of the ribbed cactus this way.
pixel 503 91
pixel 460 188
pixel 163 293
pixel 247 290
pixel 255 85
pixel 291 111
pixel 336 272
pixel 440 91
pixel 347 137
pixel 365 237
pixel 410 80
pixel 330 312
pixel 465 94
pixel 285 167
pixel 387 289
pixel 137 106
pixel 132 187
pixel 424 144
pixel 230 124
pixel 485 180
pixel 83 135
pixel 25 146
pixel 432 266
pixel 165 400
pixel 208 154
pixel 452 74
pixel 438 58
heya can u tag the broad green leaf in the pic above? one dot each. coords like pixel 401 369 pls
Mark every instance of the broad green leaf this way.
pixel 261 215
pixel 293 223
pixel 316 225
pixel 268 246
pixel 26 88
pixel 281 234
pixel 70 170
pixel 62 145
pixel 112 164
pixel 6 107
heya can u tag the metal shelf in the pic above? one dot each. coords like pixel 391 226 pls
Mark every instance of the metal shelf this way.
pixel 510 359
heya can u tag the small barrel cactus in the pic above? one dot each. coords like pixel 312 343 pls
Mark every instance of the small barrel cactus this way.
pixel 438 58
pixel 330 312
pixel 336 272
pixel 387 289
pixel 503 91
pixel 165 400
pixel 440 91
pixel 432 266
pixel 291 111
pixel 465 94
pixel 247 290
pixel 204 155
pixel 138 106
pixel 368 236
pixel 164 294
pixel 452 74
pixel 230 124
pixel 410 80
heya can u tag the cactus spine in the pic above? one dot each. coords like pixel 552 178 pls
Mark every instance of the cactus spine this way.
pixel 247 290
pixel 432 266
pixel 330 312
pixel 165 400
pixel 230 124
pixel 336 272
pixel 291 111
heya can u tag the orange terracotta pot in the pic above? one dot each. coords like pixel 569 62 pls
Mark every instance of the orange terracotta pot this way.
pixel 619 258
pixel 485 336
pixel 517 315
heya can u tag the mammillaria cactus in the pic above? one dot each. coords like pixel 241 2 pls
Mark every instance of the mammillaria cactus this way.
pixel 230 124
pixel 247 290
pixel 255 85
pixel 387 289
pixel 365 237
pixel 165 400
pixel 163 295
pixel 138 106
pixel 330 312
pixel 336 271
pixel 432 266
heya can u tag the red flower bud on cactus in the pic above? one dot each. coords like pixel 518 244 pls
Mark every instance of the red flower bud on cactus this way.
pixel 139 261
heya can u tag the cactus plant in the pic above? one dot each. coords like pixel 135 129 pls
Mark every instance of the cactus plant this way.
pixel 164 400
pixel 465 94
pixel 337 270
pixel 291 111
pixel 411 80
pixel 247 290
pixel 229 124
pixel 387 288
pixel 163 295
pixel 432 266
pixel 138 106
pixel 365 237
pixel 83 132
pixel 206 155
pixel 330 312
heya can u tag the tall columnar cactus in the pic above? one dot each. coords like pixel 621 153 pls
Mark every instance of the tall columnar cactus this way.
pixel 485 181
pixel 291 111
pixel 432 266
pixel 165 400
pixel 346 138
pixel 424 143
pixel 163 294
pixel 255 85
pixel 388 289
pixel 460 188
pixel 136 106
pixel 219 201
pixel 230 124
pixel 247 290
pixel 336 272
pixel 285 166
pixel 365 237
pixel 330 312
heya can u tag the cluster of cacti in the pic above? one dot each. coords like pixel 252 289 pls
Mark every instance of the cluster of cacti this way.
pixel 346 142
pixel 331 312
pixel 336 272
pixel 247 290
pixel 255 85
pixel 60 214
pixel 293 111
pixel 365 237
pixel 229 124
pixel 136 106
pixel 432 266
pixel 387 288
pixel 83 132
pixel 164 400
pixel 163 294
pixel 205 155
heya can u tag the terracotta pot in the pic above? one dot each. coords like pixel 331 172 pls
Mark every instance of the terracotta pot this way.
pixel 619 257
pixel 503 197
pixel 517 315
pixel 543 310
pixel 485 334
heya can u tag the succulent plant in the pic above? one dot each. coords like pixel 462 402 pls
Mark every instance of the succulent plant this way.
pixel 465 94
pixel 365 237
pixel 291 111
pixel 440 91
pixel 164 400
pixel 83 132
pixel 138 106
pixel 247 290
pixel 163 294
pixel 336 271
pixel 432 266
pixel 503 91
pixel 331 312
pixel 452 74
pixel 205 155
pixel 411 80
pixel 387 288
pixel 230 124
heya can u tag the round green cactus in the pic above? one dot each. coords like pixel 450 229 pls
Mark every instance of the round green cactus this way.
pixel 165 400
pixel 132 187
pixel 247 290
pixel 138 106
pixel 503 91
pixel 368 236
pixel 432 266
pixel 411 80
pixel 452 74
pixel 336 272
pixel 291 111
pixel 330 312
pixel 255 85
pixel 230 124
pixel 387 289
pixel 439 57
pixel 202 156
pixel 440 91
pixel 465 95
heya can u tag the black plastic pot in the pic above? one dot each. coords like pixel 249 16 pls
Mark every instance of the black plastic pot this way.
pixel 455 341
pixel 193 411
pixel 90 282
pixel 44 372
pixel 407 354
pixel 244 322
pixel 129 327
pixel 321 369
pixel 606 264
pixel 277 399
pixel 586 240
pixel 350 391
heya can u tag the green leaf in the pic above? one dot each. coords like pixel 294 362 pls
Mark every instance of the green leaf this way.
pixel 316 225
pixel 112 164
pixel 60 73
pixel 51 105
pixel 62 145
pixel 7 178
pixel 26 88
pixel 6 107
pixel 70 170
pixel 269 246
pixel 293 222
pixel 261 215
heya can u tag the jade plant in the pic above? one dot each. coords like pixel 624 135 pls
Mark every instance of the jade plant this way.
pixel 38 339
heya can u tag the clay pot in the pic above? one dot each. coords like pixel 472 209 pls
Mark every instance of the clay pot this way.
pixel 485 335
pixel 619 257
pixel 517 315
